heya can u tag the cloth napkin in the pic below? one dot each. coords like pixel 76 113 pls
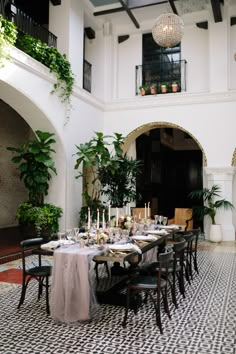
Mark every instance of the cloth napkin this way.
pixel 51 245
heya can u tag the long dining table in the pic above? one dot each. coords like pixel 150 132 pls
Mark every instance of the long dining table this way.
pixel 73 295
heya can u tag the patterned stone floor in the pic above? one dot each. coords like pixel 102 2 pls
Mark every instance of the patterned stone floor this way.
pixel 205 321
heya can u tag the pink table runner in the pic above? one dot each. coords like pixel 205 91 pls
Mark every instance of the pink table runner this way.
pixel 72 297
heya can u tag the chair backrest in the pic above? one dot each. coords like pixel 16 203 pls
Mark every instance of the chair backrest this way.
pixel 184 217
pixel 138 212
pixel 164 260
pixel 196 233
pixel 30 244
pixel 178 249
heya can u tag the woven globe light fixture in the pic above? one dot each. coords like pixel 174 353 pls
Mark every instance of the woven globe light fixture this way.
pixel 168 30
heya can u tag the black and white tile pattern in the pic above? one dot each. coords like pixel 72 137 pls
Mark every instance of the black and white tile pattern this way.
pixel 205 321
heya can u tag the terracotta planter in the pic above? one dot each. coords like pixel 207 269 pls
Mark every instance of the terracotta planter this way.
pixel 143 92
pixel 153 90
pixel 174 87
pixel 163 89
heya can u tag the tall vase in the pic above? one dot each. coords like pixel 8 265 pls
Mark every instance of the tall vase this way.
pixel 215 233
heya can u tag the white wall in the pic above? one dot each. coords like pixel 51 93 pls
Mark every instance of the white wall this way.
pixel 194 49
pixel 25 85
pixel 129 55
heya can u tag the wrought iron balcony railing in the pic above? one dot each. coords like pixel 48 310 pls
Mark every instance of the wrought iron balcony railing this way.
pixel 25 23
pixel 154 76
pixel 87 76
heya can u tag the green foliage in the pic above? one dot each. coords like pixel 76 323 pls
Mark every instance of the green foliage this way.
pixel 55 61
pixel 114 174
pixel 35 164
pixel 8 34
pixel 120 185
pixel 41 217
pixel 210 205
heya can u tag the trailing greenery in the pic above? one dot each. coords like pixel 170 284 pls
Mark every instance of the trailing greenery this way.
pixel 35 165
pixel 44 218
pixel 210 205
pixel 8 35
pixel 55 61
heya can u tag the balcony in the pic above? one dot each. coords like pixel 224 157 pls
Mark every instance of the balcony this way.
pixel 159 78
pixel 25 24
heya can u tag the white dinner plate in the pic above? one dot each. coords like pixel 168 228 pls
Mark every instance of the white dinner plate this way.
pixel 120 247
pixel 144 238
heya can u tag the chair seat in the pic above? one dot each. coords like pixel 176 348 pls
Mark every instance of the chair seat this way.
pixel 147 282
pixel 154 267
pixel 39 271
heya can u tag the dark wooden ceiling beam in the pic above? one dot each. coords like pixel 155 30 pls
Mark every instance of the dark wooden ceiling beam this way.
pixel 173 7
pixel 215 4
pixel 129 12
pixel 132 5
pixel 107 12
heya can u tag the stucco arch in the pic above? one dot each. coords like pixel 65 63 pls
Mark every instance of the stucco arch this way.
pixel 149 126
pixel 36 118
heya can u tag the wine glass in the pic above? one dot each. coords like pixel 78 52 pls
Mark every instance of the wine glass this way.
pixel 161 219
pixel 164 221
pixel 156 217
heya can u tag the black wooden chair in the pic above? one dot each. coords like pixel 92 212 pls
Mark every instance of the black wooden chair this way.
pixel 39 272
pixel 196 233
pixel 97 263
pixel 176 268
pixel 188 258
pixel 154 287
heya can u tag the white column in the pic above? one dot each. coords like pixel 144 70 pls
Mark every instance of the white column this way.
pixel 223 177
pixel 66 21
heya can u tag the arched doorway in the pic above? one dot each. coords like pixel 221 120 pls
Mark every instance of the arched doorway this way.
pixel 172 166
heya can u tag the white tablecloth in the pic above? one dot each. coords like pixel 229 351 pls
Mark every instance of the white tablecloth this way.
pixel 72 296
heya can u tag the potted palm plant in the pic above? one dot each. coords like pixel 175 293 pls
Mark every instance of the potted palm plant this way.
pixel 35 161
pixel 106 171
pixel 211 203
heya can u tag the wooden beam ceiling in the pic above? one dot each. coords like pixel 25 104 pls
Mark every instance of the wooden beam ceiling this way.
pixel 173 7
pixel 215 4
pixel 129 12
pixel 131 5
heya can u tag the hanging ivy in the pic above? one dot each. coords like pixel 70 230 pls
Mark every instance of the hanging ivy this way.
pixel 55 61
pixel 49 56
pixel 8 35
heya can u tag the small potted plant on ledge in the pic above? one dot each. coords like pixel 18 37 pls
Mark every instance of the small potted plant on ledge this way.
pixel 209 208
pixel 164 87
pixel 143 90
pixel 175 86
pixel 35 217
pixel 153 89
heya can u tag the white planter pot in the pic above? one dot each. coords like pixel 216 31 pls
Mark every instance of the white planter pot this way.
pixel 215 233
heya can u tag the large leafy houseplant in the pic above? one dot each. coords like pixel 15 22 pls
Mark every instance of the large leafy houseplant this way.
pixel 106 171
pixel 210 202
pixel 35 163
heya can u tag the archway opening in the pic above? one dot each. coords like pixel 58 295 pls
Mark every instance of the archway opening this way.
pixel 172 167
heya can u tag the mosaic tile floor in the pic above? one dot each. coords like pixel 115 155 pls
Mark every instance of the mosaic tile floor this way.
pixel 204 323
